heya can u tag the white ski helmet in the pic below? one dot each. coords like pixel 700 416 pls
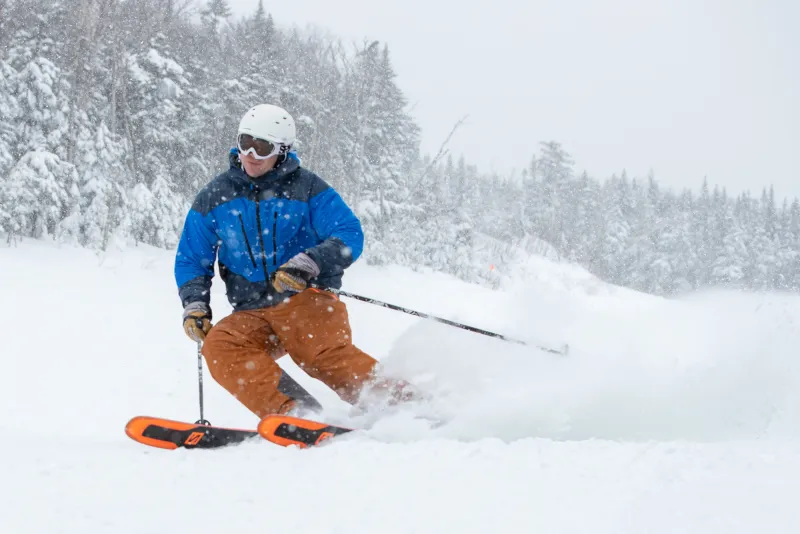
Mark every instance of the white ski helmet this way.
pixel 269 122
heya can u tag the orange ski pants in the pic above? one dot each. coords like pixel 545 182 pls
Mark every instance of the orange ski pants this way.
pixel 311 326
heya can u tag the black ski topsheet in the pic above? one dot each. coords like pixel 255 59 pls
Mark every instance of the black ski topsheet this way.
pixel 169 434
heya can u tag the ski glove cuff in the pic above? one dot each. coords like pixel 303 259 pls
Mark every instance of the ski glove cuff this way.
pixel 295 274
pixel 197 320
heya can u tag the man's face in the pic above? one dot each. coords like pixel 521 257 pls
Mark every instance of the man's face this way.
pixel 257 167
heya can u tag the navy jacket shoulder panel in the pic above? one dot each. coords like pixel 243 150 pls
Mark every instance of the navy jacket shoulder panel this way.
pixel 302 185
pixel 221 189
pixel 318 185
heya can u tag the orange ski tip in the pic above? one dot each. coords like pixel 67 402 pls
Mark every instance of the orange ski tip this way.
pixel 286 431
pixel 273 420
pixel 269 424
pixel 136 427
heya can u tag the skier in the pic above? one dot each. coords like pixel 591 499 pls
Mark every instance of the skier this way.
pixel 276 229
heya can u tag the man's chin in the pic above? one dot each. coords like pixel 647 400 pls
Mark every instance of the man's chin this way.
pixel 253 172
pixel 257 169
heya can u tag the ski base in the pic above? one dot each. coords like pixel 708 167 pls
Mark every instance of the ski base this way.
pixel 290 431
pixel 169 434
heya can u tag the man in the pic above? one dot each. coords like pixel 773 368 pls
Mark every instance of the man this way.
pixel 276 229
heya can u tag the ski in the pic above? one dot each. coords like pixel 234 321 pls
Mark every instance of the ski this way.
pixel 304 433
pixel 168 434
pixel 281 430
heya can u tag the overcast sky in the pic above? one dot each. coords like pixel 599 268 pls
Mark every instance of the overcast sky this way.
pixel 687 88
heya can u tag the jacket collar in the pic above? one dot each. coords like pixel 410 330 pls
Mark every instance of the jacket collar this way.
pixel 290 164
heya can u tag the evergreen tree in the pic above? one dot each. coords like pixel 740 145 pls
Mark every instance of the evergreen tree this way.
pixel 103 186
pixel 9 113
pixel 39 87
pixel 38 194
pixel 385 141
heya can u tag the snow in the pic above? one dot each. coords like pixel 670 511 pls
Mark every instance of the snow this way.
pixel 667 415
pixel 163 63
pixel 136 71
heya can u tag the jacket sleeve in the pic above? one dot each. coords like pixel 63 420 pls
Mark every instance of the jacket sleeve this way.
pixel 338 228
pixel 194 259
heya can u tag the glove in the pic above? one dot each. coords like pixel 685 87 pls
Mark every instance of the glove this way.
pixel 197 320
pixel 295 274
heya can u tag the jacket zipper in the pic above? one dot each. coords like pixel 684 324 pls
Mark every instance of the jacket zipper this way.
pixel 261 241
pixel 247 242
pixel 275 238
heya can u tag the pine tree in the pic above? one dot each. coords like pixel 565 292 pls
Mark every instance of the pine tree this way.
pixel 790 247
pixel 103 186
pixel 9 113
pixel 40 87
pixel 727 267
pixel 38 194
pixel 701 234
pixel 384 143
pixel 764 266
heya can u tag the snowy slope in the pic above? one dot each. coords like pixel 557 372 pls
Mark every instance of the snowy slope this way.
pixel 668 415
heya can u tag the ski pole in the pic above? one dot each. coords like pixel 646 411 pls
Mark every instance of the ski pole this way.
pixel 339 292
pixel 202 420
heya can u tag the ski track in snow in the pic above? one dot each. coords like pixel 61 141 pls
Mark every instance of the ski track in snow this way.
pixel 668 414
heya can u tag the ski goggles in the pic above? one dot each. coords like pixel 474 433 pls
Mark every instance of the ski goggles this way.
pixel 258 148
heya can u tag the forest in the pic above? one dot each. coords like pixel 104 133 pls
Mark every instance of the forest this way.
pixel 114 113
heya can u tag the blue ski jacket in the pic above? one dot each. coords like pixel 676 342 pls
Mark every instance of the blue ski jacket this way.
pixel 251 226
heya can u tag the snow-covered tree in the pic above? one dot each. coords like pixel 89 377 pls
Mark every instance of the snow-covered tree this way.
pixel 103 186
pixel 9 115
pixel 38 195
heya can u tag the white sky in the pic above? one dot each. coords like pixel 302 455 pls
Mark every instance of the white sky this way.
pixel 687 88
